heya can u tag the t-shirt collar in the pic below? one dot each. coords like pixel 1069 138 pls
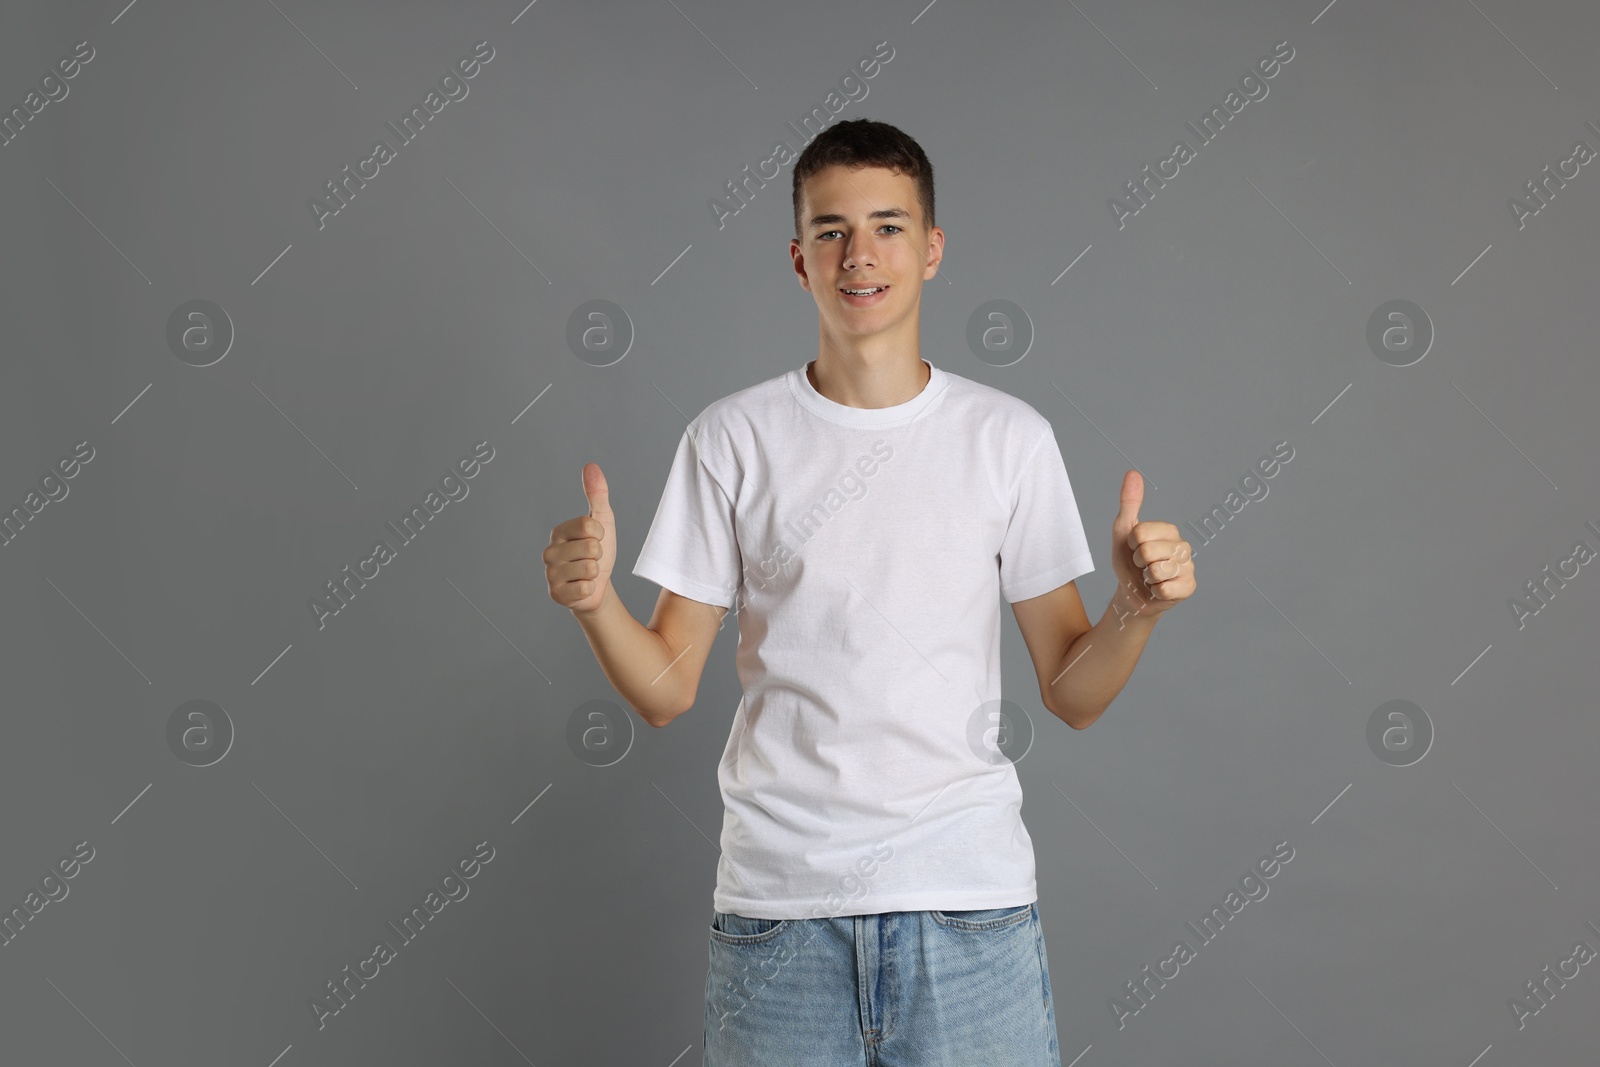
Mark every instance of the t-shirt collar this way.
pixel 844 415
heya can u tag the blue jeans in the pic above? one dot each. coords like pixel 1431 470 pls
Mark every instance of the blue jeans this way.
pixel 895 989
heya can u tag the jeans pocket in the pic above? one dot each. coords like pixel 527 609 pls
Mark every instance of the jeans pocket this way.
pixel 733 929
pixel 984 918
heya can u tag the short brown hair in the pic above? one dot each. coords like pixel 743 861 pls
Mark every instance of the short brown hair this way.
pixel 865 143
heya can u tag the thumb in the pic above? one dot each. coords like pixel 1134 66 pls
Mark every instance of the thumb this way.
pixel 599 494
pixel 1132 497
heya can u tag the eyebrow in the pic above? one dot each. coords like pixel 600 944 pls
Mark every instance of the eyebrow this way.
pixel 885 213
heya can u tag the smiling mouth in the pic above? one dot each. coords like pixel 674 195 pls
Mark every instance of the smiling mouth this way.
pixel 866 291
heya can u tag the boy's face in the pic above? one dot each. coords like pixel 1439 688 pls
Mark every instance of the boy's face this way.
pixel 863 228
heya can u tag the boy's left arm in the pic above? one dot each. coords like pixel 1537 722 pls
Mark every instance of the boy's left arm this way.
pixel 1082 668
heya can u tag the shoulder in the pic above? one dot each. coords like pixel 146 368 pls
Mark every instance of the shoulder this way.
pixel 743 410
pixel 726 429
pixel 995 416
pixel 744 405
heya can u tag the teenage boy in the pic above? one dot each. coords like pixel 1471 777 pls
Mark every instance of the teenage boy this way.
pixel 875 899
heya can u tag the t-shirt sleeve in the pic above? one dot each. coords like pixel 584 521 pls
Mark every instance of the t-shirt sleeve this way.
pixel 691 547
pixel 1045 545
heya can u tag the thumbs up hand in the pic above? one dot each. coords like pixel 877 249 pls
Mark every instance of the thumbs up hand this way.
pixel 583 551
pixel 1153 564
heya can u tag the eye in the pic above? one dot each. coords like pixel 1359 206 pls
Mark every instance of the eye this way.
pixel 885 226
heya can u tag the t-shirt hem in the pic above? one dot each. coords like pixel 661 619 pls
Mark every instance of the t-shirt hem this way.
pixel 669 578
pixel 1040 584
pixel 872 905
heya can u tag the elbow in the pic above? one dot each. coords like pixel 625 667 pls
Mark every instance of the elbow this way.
pixel 1083 722
pixel 1076 720
pixel 660 720
pixel 653 716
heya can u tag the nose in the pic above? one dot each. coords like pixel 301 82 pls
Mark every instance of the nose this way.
pixel 858 253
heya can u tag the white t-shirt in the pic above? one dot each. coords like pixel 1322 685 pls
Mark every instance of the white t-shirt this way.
pixel 865 548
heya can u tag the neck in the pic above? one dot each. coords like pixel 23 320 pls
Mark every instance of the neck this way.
pixel 857 383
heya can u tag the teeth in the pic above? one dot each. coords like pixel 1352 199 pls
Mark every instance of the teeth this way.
pixel 864 292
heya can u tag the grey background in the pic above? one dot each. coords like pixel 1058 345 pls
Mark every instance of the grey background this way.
pixel 433 712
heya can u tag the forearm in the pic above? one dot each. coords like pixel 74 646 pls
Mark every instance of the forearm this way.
pixel 635 659
pixel 1097 664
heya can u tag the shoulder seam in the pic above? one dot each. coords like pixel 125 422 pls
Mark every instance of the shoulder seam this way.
pixel 704 437
pixel 1022 468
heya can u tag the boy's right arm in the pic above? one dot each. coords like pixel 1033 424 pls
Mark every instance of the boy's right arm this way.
pixel 655 668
